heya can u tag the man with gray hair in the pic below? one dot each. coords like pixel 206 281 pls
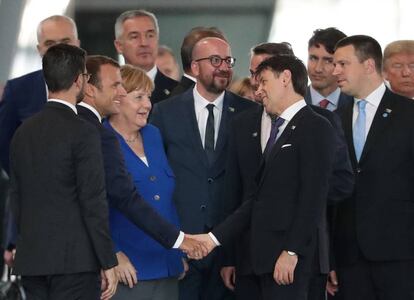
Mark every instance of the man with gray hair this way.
pixel 136 38
pixel 26 95
pixel 398 67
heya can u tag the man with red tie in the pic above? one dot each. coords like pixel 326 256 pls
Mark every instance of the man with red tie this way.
pixel 323 90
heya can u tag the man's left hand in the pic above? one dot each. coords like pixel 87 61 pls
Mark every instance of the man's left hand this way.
pixel 285 268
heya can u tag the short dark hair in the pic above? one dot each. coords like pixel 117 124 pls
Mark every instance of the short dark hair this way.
pixel 365 47
pixel 327 37
pixel 283 48
pixel 196 34
pixel 278 63
pixel 93 66
pixel 62 64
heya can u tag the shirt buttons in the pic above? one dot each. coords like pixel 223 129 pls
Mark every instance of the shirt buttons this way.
pixel 153 178
pixel 157 197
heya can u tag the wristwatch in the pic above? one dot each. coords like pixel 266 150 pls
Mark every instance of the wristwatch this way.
pixel 291 253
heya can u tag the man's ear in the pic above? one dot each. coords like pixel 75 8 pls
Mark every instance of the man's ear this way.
pixel 118 46
pixel 286 77
pixel 90 90
pixel 195 68
pixel 369 65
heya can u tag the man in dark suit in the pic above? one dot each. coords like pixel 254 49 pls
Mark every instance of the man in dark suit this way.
pixel 194 127
pixel 103 94
pixel 373 239
pixel 323 90
pixel 26 95
pixel 249 135
pixel 58 190
pixel 284 211
pixel 197 33
pixel 136 38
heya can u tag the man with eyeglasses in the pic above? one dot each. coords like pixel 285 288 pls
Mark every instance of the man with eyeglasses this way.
pixel 195 127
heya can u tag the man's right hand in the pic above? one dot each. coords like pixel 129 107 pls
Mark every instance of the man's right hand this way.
pixel 332 283
pixel 126 272
pixel 111 281
pixel 194 249
pixel 228 274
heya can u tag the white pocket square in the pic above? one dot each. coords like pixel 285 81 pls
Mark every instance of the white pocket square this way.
pixel 286 145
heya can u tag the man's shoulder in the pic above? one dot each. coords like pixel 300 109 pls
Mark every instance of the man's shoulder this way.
pixel 238 101
pixel 164 82
pixel 36 75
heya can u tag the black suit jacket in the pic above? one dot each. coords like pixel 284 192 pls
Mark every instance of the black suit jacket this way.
pixel 58 189
pixel 198 184
pixel 292 186
pixel 377 222
pixel 22 97
pixel 121 191
pixel 184 84
pixel 163 87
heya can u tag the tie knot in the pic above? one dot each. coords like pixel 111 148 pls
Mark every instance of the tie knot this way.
pixel 324 103
pixel 277 122
pixel 361 104
pixel 210 107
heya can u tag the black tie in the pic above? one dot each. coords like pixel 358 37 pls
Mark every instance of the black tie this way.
pixel 209 136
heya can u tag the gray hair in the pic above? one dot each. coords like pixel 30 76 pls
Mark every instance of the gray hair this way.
pixel 56 18
pixel 130 14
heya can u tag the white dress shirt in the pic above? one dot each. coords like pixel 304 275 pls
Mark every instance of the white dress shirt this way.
pixel 289 113
pixel 152 73
pixel 265 128
pixel 373 101
pixel 201 112
pixel 333 98
pixel 190 77
pixel 73 107
pixel 91 108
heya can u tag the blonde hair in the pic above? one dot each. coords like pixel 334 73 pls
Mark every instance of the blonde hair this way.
pixel 401 46
pixel 241 87
pixel 134 78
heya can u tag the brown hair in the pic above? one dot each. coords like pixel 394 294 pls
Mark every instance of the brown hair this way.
pixel 93 67
pixel 134 78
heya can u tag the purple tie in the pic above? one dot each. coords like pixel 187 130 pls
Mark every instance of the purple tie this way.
pixel 324 103
pixel 276 123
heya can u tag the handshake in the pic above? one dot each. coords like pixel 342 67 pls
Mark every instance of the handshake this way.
pixel 197 246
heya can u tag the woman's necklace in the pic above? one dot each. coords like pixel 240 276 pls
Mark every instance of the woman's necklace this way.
pixel 130 141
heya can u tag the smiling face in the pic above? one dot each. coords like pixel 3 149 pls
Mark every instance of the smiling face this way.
pixel 138 42
pixel 320 70
pixel 272 90
pixel 211 81
pixel 109 94
pixel 135 108
pixel 399 71
pixel 255 61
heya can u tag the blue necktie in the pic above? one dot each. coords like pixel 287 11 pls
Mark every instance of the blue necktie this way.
pixel 359 129
pixel 276 123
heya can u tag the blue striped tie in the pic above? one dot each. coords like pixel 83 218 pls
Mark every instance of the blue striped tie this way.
pixel 359 129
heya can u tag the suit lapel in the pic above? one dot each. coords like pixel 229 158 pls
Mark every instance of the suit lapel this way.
pixel 382 117
pixel 227 114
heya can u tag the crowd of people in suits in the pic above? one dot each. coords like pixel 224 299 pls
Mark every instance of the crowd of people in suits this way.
pixel 185 190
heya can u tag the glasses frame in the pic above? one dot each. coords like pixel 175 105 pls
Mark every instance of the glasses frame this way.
pixel 229 64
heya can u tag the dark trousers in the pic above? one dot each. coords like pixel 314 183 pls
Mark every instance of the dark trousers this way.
pixel 366 280
pixel 79 286
pixel 203 280
pixel 247 287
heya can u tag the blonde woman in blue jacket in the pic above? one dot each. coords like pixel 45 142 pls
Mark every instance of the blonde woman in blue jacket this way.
pixel 148 269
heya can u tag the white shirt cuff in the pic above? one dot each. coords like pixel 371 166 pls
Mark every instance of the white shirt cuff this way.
pixel 215 240
pixel 179 240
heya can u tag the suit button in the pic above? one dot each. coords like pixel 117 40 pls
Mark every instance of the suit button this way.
pixel 210 180
pixel 203 207
pixel 152 178
pixel 157 197
pixel 358 170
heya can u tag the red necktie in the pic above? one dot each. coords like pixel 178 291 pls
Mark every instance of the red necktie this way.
pixel 324 103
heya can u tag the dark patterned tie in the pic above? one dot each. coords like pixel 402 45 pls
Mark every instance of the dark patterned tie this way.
pixel 276 123
pixel 209 135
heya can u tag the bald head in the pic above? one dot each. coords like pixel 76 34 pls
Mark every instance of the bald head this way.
pixel 55 30
pixel 205 45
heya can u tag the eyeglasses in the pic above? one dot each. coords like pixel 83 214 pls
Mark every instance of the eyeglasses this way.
pixel 216 61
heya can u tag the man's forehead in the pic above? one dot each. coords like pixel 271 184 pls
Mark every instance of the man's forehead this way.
pixel 140 23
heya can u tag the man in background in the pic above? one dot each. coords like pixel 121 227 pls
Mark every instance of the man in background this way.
pixel 167 63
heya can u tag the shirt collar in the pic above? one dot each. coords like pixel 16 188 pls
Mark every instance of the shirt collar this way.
pixel 332 97
pixel 376 95
pixel 152 73
pixel 73 107
pixel 190 77
pixel 92 109
pixel 200 102
pixel 292 110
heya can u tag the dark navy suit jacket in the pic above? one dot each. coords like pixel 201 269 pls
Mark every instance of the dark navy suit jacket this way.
pixel 343 100
pixel 22 97
pixel 163 87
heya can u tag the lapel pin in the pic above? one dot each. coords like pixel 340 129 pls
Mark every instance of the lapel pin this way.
pixel 167 92
pixel 254 134
pixel 293 127
pixel 386 113
pixel 231 108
